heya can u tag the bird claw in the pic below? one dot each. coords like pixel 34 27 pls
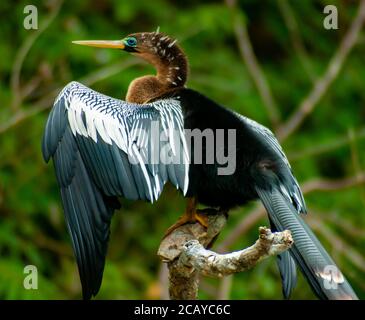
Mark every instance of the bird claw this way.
pixel 198 216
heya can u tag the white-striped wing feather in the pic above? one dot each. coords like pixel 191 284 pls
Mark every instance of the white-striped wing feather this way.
pixel 114 122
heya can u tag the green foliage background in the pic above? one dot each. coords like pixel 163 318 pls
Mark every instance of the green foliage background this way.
pixel 328 145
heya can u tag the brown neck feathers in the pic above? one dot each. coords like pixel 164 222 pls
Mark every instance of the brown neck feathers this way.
pixel 171 65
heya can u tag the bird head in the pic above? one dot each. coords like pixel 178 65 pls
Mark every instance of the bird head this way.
pixel 147 45
pixel 160 51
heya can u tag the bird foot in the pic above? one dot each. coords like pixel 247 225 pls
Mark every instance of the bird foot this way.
pixel 197 216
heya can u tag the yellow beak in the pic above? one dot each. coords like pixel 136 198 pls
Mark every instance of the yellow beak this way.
pixel 118 44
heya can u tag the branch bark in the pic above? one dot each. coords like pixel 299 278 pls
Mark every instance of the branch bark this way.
pixel 210 263
pixel 186 252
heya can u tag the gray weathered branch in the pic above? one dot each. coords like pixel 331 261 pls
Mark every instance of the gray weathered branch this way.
pixel 185 251
pixel 213 264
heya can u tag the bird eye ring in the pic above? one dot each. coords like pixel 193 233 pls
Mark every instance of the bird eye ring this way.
pixel 132 42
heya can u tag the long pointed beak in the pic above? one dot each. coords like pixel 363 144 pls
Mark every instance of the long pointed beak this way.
pixel 118 44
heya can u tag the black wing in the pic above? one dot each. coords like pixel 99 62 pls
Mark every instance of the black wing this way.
pixel 291 191
pixel 103 148
pixel 289 186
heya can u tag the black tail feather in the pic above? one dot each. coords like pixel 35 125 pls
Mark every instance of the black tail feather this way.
pixel 287 269
pixel 323 275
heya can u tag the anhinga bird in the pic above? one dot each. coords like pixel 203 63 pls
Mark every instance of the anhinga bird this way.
pixel 99 147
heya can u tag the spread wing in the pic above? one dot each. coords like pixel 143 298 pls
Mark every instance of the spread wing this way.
pixel 103 148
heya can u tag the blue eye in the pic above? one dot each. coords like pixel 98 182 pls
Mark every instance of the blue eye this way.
pixel 132 42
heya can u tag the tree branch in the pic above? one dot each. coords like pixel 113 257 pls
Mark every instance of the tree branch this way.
pixel 24 50
pixel 46 101
pixel 333 144
pixel 185 252
pixel 322 84
pixel 326 185
pixel 341 245
pixel 294 34
pixel 253 65
pixel 213 264
pixel 224 289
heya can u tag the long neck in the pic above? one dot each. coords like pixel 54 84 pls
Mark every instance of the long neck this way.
pixel 172 70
